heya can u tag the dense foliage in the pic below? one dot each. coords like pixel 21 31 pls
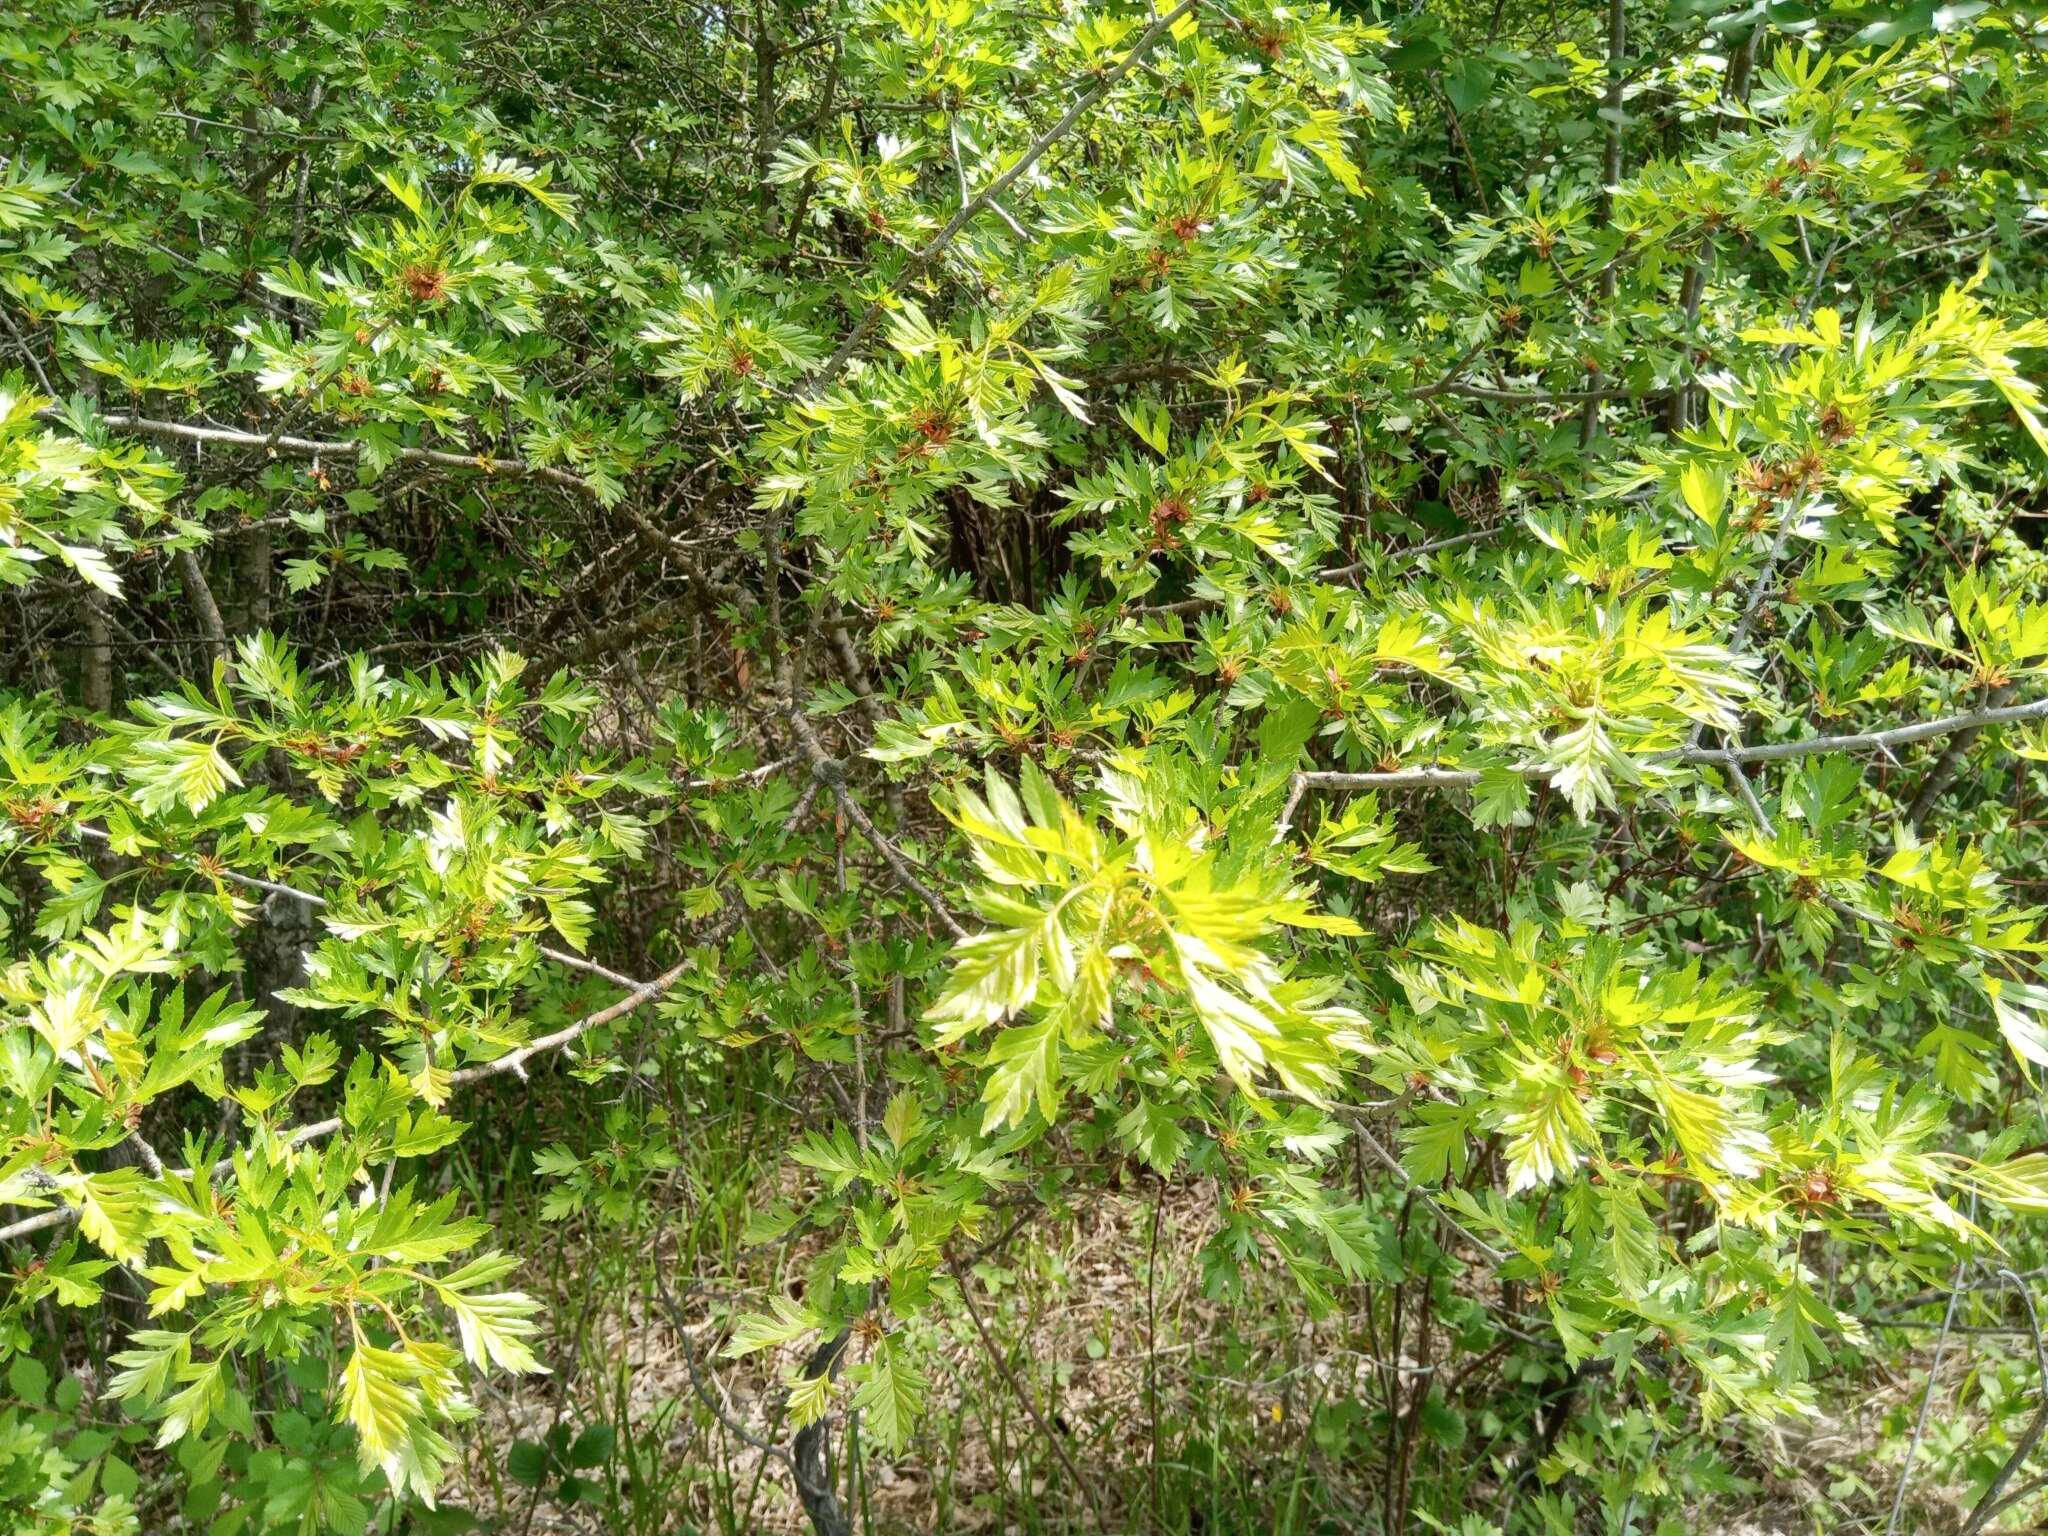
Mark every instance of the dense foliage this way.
pixel 1420 623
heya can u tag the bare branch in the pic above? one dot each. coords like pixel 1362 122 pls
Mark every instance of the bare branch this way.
pixel 1991 1503
pixel 1533 396
pixel 1943 772
pixel 515 1061
pixel 831 772
pixel 1899 736
pixel 200 592
pixel 1769 751
pixel 897 861
pixel 339 449
pixel 702 1388
pixel 1406 778
pixel 1017 1388
pixel 1392 1164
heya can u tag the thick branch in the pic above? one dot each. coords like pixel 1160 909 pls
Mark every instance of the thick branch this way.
pixel 1770 751
pixel 810 1459
pixel 314 448
pixel 1943 772
pixel 200 593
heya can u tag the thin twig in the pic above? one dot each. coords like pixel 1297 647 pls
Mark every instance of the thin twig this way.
pixel 1023 1395
pixel 1926 1401
pixel 28 353
pixel 973 207
pixel 1990 1504
pixel 1945 766
pixel 704 1394
pixel 897 861
pixel 1392 1164
pixel 1335 573
pixel 513 1063
pixel 831 772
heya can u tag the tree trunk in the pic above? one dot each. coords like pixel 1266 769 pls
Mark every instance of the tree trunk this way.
pixel 96 679
pixel 1943 773
pixel 252 581
pixel 1610 173
pixel 812 1452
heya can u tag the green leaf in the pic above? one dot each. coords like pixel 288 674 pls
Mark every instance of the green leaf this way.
pixel 765 1226
pixel 1153 1134
pixel 757 1331
pixel 527 1463
pixel 1025 1066
pixel 497 1327
pixel 891 1396
pixel 593 1447
pixel 113 1212
pixel 28 1378
pixel 810 1399
pixel 118 1480
pixel 1469 82
pixel 1434 1143
pixel 1705 490
pixel 900 1121
pixel 179 770
pixel 379 1400
pixel 1441 1422
pixel 1631 1238
pixel 1501 798
pixel 2021 1009
pixel 1150 421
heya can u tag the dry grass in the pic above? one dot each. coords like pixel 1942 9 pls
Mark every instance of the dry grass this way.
pixel 1104 1354
pixel 1177 1411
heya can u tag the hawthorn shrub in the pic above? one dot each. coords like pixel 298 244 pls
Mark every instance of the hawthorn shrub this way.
pixel 1424 622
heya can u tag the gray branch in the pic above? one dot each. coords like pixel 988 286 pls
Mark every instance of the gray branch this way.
pixel 1770 751
pixel 340 449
